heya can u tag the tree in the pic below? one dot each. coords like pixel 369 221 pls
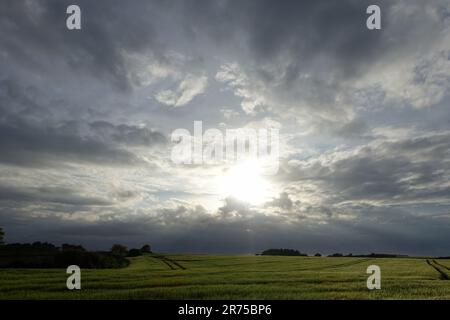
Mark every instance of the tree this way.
pixel 134 253
pixel 282 252
pixel 336 255
pixel 119 250
pixel 2 235
pixel 146 249
pixel 317 255
pixel 71 247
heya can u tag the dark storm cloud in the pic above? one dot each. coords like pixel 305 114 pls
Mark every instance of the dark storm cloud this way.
pixel 303 29
pixel 110 28
pixel 304 49
pixel 31 136
pixel 192 229
pixel 19 100
pixel 283 202
pixel 307 57
pixel 233 206
pixel 48 195
pixel 26 144
pixel 410 169
pixel 301 51
pixel 126 134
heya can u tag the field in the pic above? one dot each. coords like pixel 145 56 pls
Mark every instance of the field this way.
pixel 237 277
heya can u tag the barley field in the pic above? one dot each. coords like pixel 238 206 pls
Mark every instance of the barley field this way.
pixel 182 276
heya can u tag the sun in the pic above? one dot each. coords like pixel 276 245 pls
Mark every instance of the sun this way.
pixel 245 182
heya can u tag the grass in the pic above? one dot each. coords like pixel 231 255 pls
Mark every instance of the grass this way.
pixel 176 276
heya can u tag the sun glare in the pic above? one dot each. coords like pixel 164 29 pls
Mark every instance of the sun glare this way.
pixel 245 182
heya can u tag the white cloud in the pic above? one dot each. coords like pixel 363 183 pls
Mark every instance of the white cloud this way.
pixel 174 70
pixel 229 113
pixel 242 86
pixel 188 89
pixel 417 72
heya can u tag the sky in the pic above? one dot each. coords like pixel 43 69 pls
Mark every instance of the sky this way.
pixel 87 116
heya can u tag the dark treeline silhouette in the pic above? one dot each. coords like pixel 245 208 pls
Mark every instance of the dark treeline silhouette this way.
pixel 119 250
pixel 372 255
pixel 282 252
pixel 122 251
pixel 134 253
pixel 337 255
pixel 47 255
pixel 71 247
pixel 292 252
pixel 2 235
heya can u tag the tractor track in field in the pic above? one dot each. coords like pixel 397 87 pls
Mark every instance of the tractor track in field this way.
pixel 437 266
pixel 175 265
pixel 341 265
pixel 441 265
pixel 333 266
pixel 172 264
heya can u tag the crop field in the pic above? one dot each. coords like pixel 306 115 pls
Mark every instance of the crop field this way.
pixel 175 276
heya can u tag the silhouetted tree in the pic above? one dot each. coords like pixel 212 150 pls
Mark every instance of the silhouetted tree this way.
pixel 2 235
pixel 47 255
pixel 317 255
pixel 146 249
pixel 119 250
pixel 71 247
pixel 336 255
pixel 44 246
pixel 282 252
pixel 134 253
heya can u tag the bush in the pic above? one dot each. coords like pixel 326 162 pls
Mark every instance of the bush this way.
pixel 146 249
pixel 336 255
pixel 90 260
pixel 119 250
pixel 317 255
pixel 27 249
pixel 134 253
pixel 71 247
pixel 46 255
pixel 282 252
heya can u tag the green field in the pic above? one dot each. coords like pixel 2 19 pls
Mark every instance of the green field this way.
pixel 237 277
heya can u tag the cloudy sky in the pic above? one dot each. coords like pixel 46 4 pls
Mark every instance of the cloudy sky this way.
pixel 86 118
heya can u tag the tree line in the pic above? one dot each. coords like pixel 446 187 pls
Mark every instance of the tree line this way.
pixel 47 255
